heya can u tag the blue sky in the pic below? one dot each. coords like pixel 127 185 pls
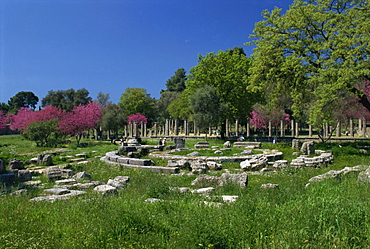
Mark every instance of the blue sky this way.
pixel 108 45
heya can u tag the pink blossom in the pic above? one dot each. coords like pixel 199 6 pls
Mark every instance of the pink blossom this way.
pixel 137 118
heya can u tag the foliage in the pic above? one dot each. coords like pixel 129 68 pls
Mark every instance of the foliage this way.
pixel 177 82
pixel 136 100
pixel 81 119
pixel 3 120
pixel 167 97
pixel 23 99
pixel 112 118
pixel 103 99
pixel 207 108
pixel 228 73
pixel 41 131
pixel 68 99
pixel 179 108
pixel 315 52
pixel 261 116
pixel 22 119
pixel 137 118
pixel 4 107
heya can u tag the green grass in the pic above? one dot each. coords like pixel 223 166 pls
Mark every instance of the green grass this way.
pixel 327 214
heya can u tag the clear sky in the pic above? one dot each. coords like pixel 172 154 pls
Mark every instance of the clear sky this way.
pixel 108 45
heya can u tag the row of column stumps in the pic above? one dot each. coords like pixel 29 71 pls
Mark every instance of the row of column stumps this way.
pixel 171 127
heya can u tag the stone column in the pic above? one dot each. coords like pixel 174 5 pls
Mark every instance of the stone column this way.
pixel 237 127
pixel 338 129
pixel 186 128
pixel 310 130
pixel 227 128
pixel 270 129
pixel 248 129
pixel 326 130
pixel 125 130
pixel 281 128
pixel 296 129
pixel 292 126
pixel 359 126
pixel 142 129
pixel 145 131
pixel 176 127
pixel 136 129
pixel 351 127
pixel 166 128
pixel 155 128
pixel 364 127
pixel 131 129
pixel 195 128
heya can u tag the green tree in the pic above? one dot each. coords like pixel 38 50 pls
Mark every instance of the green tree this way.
pixel 314 53
pixel 23 99
pixel 207 107
pixel 66 99
pixel 227 72
pixel 137 100
pixel 113 118
pixel 177 82
pixel 4 107
pixel 103 98
pixel 41 132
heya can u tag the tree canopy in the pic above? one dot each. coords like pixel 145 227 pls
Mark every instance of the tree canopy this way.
pixel 66 99
pixel 315 53
pixel 227 72
pixel 137 100
pixel 177 82
pixel 23 99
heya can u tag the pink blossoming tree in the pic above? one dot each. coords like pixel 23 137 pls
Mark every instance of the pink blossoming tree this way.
pixel 81 119
pixel 137 118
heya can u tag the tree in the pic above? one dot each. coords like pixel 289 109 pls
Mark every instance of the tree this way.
pixel 136 100
pixel 103 98
pixel 4 107
pixel 23 99
pixel 112 118
pixel 68 99
pixel 22 119
pixel 137 118
pixel 175 85
pixel 81 119
pixel 179 108
pixel 227 72
pixel 315 52
pixel 3 120
pixel 177 82
pixel 207 107
pixel 40 132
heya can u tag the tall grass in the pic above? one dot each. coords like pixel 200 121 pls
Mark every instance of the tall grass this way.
pixel 328 214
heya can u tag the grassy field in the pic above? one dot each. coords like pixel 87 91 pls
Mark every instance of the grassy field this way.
pixel 327 214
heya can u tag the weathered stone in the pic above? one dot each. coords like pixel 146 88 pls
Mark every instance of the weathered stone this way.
pixel 246 152
pixel 122 179
pixel 364 176
pixel 2 167
pixel 53 173
pixel 7 179
pixel 214 166
pixel 106 189
pixel 207 190
pixel 15 164
pixel 206 180
pixel 201 145
pixel 238 179
pixel 218 152
pixel 280 164
pixel 57 191
pixel 115 184
pixel 66 181
pixel 81 176
pixel 295 144
pixel 229 198
pixel 247 144
pixel 47 160
pixel 227 144
pixel 21 192
pixel 269 186
pixel 66 173
pixel 198 167
pixel 179 142
pixel 308 148
pixel 31 183
pixel 85 185
pixel 256 163
pixel 52 198
pixel 195 153
pixel 24 175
